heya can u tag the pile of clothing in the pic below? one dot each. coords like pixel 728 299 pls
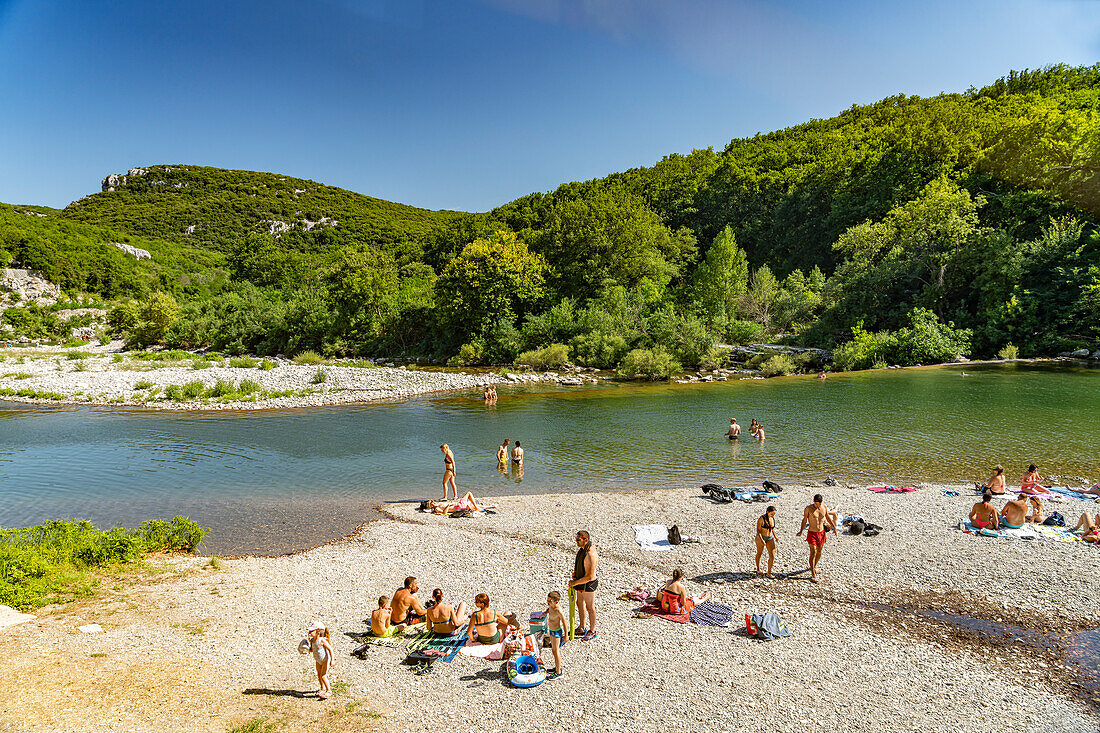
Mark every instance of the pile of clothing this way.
pixel 857 525
pixel 727 494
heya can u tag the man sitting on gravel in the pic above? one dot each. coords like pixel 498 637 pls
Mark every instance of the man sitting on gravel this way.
pixel 1014 513
pixel 406 607
pixel 818 517
pixel 984 514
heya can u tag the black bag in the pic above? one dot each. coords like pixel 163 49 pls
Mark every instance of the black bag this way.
pixel 772 486
pixel 1055 520
pixel 424 506
pixel 459 513
pixel 674 535
pixel 856 527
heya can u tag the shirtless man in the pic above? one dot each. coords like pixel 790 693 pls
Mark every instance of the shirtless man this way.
pixel 585 583
pixel 818 518
pixel 735 430
pixel 502 454
pixel 380 618
pixel 517 455
pixel 1014 513
pixel 984 514
pixel 406 608
pixel 996 482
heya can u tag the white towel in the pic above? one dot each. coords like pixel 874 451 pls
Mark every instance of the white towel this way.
pixel 652 537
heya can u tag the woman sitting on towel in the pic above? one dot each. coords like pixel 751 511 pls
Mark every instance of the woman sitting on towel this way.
pixel 674 597
pixel 1091 527
pixel 486 625
pixel 443 618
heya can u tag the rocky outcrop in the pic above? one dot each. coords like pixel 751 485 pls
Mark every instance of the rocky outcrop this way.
pixel 116 180
pixel 28 286
pixel 141 254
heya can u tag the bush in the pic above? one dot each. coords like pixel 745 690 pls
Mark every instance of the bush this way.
pixel 779 365
pixel 928 340
pixel 468 354
pixel 221 388
pixel 650 364
pixel 202 363
pixel 143 384
pixel 243 362
pixel 308 358
pixel 598 349
pixel 145 323
pixel 266 365
pixel 744 332
pixel 248 386
pixel 553 356
pixel 192 390
pixel 173 392
pixel 1008 352
pixel 319 376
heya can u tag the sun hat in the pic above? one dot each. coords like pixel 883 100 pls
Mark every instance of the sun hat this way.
pixel 314 626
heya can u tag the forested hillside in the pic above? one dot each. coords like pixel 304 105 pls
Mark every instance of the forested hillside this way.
pixel 910 230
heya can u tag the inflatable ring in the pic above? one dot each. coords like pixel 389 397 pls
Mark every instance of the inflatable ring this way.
pixel 526 671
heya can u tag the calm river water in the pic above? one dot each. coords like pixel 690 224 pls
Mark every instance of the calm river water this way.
pixel 279 480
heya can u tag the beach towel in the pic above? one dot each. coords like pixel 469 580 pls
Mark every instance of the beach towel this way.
pixel 949 492
pixel 449 645
pixel 1027 532
pixel 891 489
pixel 708 613
pixel 652 537
pixel 1058 534
pixel 766 626
pixel 393 641
pixel 654 609
pixel 482 651
pixel 1068 492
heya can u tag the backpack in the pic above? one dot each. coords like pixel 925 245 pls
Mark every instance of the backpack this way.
pixel 674 535
pixel 1055 520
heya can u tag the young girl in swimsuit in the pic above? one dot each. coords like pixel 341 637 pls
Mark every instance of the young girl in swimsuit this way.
pixel 765 537
pixel 754 427
pixel 322 655
pixel 448 470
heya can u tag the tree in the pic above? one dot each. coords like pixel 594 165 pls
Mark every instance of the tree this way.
pixel 760 300
pixel 721 280
pixel 490 280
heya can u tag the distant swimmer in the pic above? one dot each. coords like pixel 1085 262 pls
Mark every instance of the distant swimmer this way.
pixel 502 454
pixel 821 375
pixel 760 432
pixel 753 427
pixel 734 431
pixel 517 455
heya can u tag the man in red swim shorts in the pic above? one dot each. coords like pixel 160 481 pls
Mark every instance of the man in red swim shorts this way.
pixel 818 518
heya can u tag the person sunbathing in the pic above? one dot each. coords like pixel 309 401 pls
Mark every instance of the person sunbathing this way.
pixel 443 618
pixel 486 625
pixel 996 482
pixel 1090 526
pixel 984 514
pixel 674 597
pixel 466 502
pixel 1014 513
pixel 406 607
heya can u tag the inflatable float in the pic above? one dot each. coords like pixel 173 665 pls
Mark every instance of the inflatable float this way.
pixel 526 671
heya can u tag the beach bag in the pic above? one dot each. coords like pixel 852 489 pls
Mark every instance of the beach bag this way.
pixel 459 513
pixel 424 506
pixel 674 535
pixel 1055 520
pixel 772 486
pixel 766 626
pixel 857 527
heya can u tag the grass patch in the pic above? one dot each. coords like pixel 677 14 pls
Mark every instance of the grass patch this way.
pixel 80 366
pixel 309 358
pixel 167 355
pixel 73 343
pixel 144 384
pixel 203 363
pixel 248 386
pixel 243 362
pixel 256 725
pixel 34 394
pixel 78 355
pixel 97 655
pixel 18 375
pixel 266 365
pixel 52 562
pixel 193 389
pixel 359 364
pixel 214 564
pixel 319 377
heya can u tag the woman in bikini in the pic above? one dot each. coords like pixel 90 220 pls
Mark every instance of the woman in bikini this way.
pixel 765 537
pixel 443 618
pixel 466 502
pixel 754 427
pixel 1090 526
pixel 1030 485
pixel 674 597
pixel 486 625
pixel 448 470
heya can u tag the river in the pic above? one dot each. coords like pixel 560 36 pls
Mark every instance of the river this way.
pixel 273 481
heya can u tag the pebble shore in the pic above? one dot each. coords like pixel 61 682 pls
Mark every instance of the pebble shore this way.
pixel 853 662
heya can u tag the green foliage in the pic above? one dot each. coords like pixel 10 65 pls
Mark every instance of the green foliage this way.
pixel 553 356
pixel 319 377
pixel 652 364
pixel 143 384
pixel 744 332
pixel 779 365
pixel 48 563
pixel 308 358
pixel 243 362
pixel 144 323
pixel 1008 351
pixel 925 340
pixel 266 365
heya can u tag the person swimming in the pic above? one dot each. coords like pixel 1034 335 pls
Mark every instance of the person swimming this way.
pixel 735 430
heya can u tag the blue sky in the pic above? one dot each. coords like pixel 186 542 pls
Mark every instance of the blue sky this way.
pixel 467 105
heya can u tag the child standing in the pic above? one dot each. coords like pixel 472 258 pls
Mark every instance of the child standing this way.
pixel 380 619
pixel 321 647
pixel 555 627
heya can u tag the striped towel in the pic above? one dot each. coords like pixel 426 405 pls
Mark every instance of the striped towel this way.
pixel 708 613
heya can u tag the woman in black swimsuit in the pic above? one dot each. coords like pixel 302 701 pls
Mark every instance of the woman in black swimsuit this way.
pixel 765 537
pixel 448 471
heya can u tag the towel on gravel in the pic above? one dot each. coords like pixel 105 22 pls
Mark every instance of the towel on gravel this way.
pixel 654 609
pixel 1068 492
pixel 891 489
pixel 1058 534
pixel 652 537
pixel 394 640
pixel 482 651
pixel 450 645
pixel 708 613
pixel 1027 532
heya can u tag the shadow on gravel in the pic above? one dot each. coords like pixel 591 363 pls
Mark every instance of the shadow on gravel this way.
pixel 278 693
pixel 485 676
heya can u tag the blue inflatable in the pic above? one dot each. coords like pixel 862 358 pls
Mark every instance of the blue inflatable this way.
pixel 526 671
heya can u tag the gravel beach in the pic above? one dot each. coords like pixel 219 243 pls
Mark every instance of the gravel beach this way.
pixel 199 647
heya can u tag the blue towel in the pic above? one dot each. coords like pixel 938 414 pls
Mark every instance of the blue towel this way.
pixel 1066 491
pixel 711 614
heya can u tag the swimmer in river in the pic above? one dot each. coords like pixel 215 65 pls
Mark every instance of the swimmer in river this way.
pixel 502 454
pixel 517 455
pixel 735 430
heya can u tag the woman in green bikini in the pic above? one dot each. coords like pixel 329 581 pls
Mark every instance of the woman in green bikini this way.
pixel 765 537
pixel 486 624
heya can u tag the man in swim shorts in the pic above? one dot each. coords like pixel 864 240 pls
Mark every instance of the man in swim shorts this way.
pixel 1014 513
pixel 984 514
pixel 585 583
pixel 406 608
pixel 735 430
pixel 818 518
pixel 502 453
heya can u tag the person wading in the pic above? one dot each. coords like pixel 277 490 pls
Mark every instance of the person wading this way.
pixel 585 583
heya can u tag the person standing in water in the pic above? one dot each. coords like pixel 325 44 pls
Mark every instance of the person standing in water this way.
pixel 817 517
pixel 517 455
pixel 585 583
pixel 753 427
pixel 735 430
pixel 448 471
pixel 502 455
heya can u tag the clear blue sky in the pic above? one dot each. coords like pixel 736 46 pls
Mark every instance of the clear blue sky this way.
pixel 467 105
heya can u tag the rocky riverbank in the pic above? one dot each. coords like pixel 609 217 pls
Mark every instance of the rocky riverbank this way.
pixel 106 375
pixel 207 646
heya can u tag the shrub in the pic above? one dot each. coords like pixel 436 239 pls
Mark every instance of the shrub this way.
pixel 779 365
pixel 173 392
pixel 598 349
pixel 75 355
pixel 553 356
pixel 243 362
pixel 1008 352
pixel 203 363
pixel 143 384
pixel 266 365
pixel 650 364
pixel 248 386
pixel 308 358
pixel 319 377
pixel 193 390
pixel 80 366
pixel 744 332
pixel 221 388
pixel 928 340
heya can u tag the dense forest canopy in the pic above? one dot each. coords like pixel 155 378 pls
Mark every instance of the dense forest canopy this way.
pixel 907 230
